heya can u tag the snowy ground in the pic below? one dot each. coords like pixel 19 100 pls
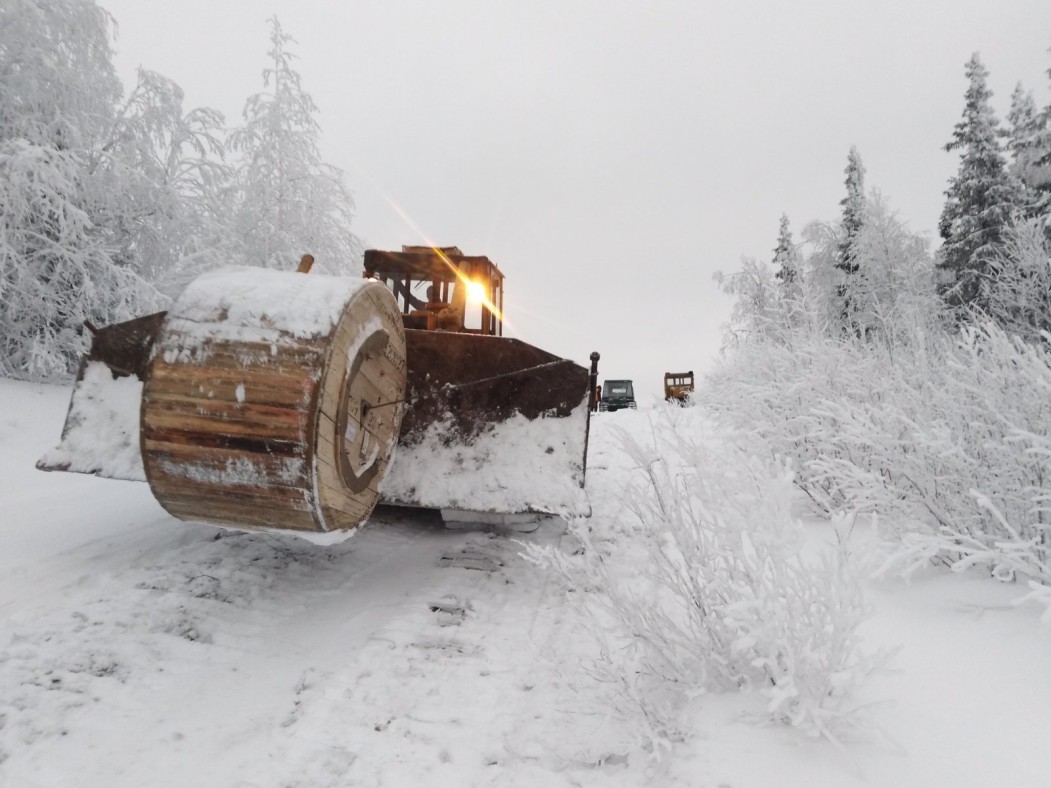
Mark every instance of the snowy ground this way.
pixel 140 651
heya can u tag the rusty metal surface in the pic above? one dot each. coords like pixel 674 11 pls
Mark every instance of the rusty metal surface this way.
pixel 478 380
pixel 424 263
pixel 124 347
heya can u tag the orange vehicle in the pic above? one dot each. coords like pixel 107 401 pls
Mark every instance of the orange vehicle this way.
pixel 678 386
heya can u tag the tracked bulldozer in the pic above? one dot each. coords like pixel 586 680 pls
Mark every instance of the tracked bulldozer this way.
pixel 678 387
pixel 297 401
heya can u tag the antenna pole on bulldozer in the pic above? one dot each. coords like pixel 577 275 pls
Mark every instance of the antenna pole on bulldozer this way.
pixel 592 399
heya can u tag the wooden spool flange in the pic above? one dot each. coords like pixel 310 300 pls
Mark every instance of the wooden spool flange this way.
pixel 274 400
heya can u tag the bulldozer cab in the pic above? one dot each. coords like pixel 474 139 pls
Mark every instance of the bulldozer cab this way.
pixel 678 386
pixel 441 289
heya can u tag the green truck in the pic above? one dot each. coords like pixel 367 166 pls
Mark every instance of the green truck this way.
pixel 617 395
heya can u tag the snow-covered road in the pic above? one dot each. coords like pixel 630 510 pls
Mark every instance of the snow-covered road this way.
pixel 144 651
pixel 137 651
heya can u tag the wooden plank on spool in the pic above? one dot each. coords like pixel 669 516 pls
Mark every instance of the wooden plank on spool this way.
pixel 203 384
pixel 193 462
pixel 234 417
pixel 207 341
pixel 236 514
pixel 229 497
pixel 164 421
pixel 232 369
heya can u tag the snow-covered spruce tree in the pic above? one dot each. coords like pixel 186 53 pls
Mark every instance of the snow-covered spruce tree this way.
pixel 58 90
pixel 289 202
pixel 786 256
pixel 853 213
pixel 1042 160
pixel 1025 133
pixel 853 220
pixel 788 272
pixel 980 201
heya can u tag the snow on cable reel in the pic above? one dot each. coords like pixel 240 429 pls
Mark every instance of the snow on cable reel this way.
pixel 274 400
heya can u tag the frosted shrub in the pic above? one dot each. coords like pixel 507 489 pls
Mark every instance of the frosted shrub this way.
pixel 1020 292
pixel 983 452
pixel 705 588
pixel 946 438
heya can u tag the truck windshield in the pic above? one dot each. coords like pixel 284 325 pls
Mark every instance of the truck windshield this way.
pixel 618 388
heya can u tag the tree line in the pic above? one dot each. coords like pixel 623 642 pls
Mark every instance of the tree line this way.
pixel 111 201
pixel 907 386
pixel 868 269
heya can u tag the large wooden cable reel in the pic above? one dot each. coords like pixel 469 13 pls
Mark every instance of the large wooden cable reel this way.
pixel 274 400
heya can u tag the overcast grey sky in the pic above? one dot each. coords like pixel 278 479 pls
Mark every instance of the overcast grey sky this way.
pixel 610 156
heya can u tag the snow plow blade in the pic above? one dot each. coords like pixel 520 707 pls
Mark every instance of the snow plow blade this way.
pixel 492 426
pixel 101 432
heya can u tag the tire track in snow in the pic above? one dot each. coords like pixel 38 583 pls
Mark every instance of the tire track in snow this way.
pixel 467 679
pixel 202 635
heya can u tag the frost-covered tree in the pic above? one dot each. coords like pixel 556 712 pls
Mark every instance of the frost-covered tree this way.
pixel 893 292
pixel 1020 293
pixel 58 90
pixel 791 295
pixel 853 213
pixel 786 256
pixel 851 224
pixel 58 84
pixel 169 220
pixel 1042 160
pixel 755 310
pixel 289 201
pixel 823 282
pixel 1025 135
pixel 981 199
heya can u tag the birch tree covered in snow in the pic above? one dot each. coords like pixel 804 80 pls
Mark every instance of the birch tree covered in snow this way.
pixel 893 291
pixel 167 163
pixel 755 308
pixel 289 202
pixel 105 198
pixel 1020 291
pixel 58 90
pixel 111 204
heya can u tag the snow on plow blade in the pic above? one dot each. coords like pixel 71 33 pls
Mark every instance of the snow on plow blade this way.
pixel 492 425
pixel 101 432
